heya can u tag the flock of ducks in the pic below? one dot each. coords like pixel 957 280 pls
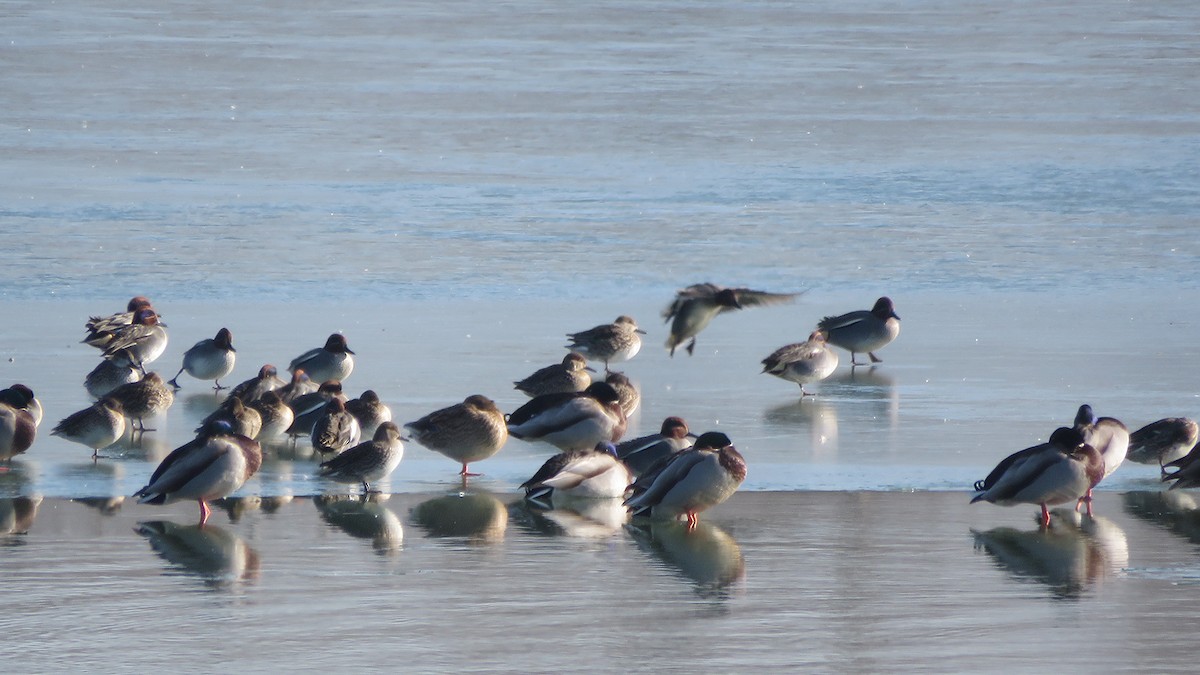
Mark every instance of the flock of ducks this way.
pixel 672 474
pixel 1067 467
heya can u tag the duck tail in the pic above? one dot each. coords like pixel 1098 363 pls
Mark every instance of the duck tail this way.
pixel 639 511
pixel 151 497
pixel 540 496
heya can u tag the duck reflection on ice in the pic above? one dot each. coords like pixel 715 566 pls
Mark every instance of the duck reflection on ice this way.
pixel 236 507
pixel 199 406
pixel 478 516
pixel 284 449
pixel 1075 552
pixel 574 518
pixel 363 517
pixel 819 415
pixel 872 379
pixel 16 515
pixel 876 387
pixel 105 505
pixel 217 556
pixel 103 477
pixel 1173 510
pixel 706 555
pixel 273 503
pixel 151 448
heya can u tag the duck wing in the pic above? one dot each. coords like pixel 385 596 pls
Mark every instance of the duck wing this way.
pixel 539 405
pixel 849 319
pixel 181 466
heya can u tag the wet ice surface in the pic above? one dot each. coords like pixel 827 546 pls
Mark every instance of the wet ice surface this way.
pixel 827 580
pixel 968 381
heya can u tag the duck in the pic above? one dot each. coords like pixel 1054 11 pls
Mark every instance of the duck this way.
pixel 370 461
pixel 1108 436
pixel 253 389
pixel 102 329
pixel 587 474
pixel 863 330
pixel 369 411
pixel 1186 471
pixel 141 342
pixel 570 376
pixel 1163 441
pixel 22 396
pixel 466 432
pixel 299 385
pixel 147 397
pixel 97 426
pixel 110 374
pixel 17 426
pixel 244 420
pixel 695 307
pixel 209 359
pixel 276 415
pixel 1062 470
pixel 213 465
pixel 803 362
pixel 571 421
pixel 639 454
pixel 307 409
pixel 611 342
pixel 689 482
pixel 336 429
pixel 627 392
pixel 334 361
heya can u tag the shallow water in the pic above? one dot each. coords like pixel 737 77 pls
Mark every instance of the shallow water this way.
pixel 455 187
pixel 828 581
